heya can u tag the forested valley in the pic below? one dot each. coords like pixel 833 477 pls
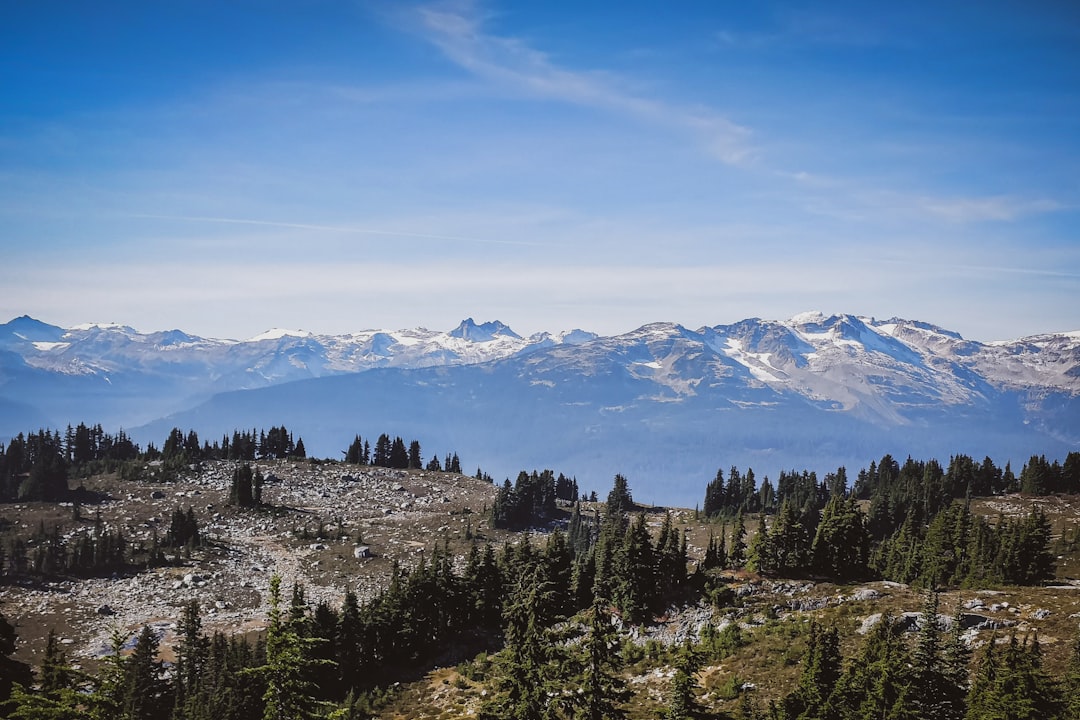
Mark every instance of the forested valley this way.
pixel 545 605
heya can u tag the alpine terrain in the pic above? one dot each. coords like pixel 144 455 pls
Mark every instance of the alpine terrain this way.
pixel 663 404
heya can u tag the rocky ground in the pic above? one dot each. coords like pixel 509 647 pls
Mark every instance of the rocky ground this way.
pixel 326 527
pixel 332 526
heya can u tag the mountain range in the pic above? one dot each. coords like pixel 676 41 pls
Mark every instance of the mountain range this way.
pixel 665 405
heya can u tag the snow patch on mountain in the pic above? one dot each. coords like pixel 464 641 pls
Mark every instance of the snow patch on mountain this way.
pixel 278 334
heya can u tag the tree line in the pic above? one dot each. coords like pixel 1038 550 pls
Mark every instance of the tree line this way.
pixel 909 523
pixel 38 465
pixel 393 453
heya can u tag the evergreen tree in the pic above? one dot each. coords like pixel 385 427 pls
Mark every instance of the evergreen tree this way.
pixel 635 567
pixel 619 500
pixel 760 556
pixel 876 684
pixel 532 668
pixel 930 692
pixel 107 700
pixel 737 555
pixel 603 690
pixel 145 688
pixel 1071 681
pixel 819 676
pixel 191 657
pixel 841 543
pixel 290 695
pixel 682 701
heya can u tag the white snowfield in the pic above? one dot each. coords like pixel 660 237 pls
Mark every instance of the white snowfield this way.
pixel 848 361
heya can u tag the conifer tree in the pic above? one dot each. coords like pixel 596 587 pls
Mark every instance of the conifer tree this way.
pixel 191 656
pixel 145 689
pixel 737 555
pixel 603 691
pixel 930 695
pixel 289 695
pixel 635 592
pixel 876 683
pixel 819 676
pixel 531 670
pixel 107 700
pixel 682 700
pixel 1071 681
pixel 760 556
pixel 56 698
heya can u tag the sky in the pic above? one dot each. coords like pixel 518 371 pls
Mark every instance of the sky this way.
pixel 333 166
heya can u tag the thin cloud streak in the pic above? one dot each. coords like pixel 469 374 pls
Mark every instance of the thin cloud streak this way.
pixel 460 36
pixel 332 228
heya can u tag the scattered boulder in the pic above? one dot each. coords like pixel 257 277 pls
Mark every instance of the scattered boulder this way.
pixel 361 551
pixel 868 623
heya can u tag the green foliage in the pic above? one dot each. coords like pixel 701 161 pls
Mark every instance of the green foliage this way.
pixel 682 697
pixel 531 673
pixel 530 502
pixel 819 676
pixel 1011 685
pixel 603 690
pixel 290 693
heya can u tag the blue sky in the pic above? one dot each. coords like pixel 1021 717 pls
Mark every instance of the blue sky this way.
pixel 334 166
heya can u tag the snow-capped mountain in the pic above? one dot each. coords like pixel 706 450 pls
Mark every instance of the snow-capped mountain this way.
pixel 119 376
pixel 664 401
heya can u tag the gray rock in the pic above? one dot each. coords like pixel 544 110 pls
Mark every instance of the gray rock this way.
pixel 866 594
pixel 868 623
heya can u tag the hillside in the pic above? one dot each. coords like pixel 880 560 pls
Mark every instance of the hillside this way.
pixel 333 527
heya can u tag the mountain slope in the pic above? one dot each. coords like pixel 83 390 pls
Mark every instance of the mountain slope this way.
pixel 668 406
pixel 663 402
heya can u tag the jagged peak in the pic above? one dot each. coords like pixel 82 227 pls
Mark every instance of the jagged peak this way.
pixel 469 330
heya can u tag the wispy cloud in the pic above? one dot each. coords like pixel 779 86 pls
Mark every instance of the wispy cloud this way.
pixel 999 208
pixel 350 230
pixel 459 32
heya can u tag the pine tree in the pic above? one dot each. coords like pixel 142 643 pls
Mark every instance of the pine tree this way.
pixel 532 669
pixel 819 676
pixel 191 656
pixel 737 555
pixel 1071 681
pixel 289 695
pixel 761 556
pixel 56 674
pixel 107 700
pixel 930 694
pixel 619 500
pixel 145 689
pixel 636 585
pixel 603 690
pixel 876 683
pixel 682 700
